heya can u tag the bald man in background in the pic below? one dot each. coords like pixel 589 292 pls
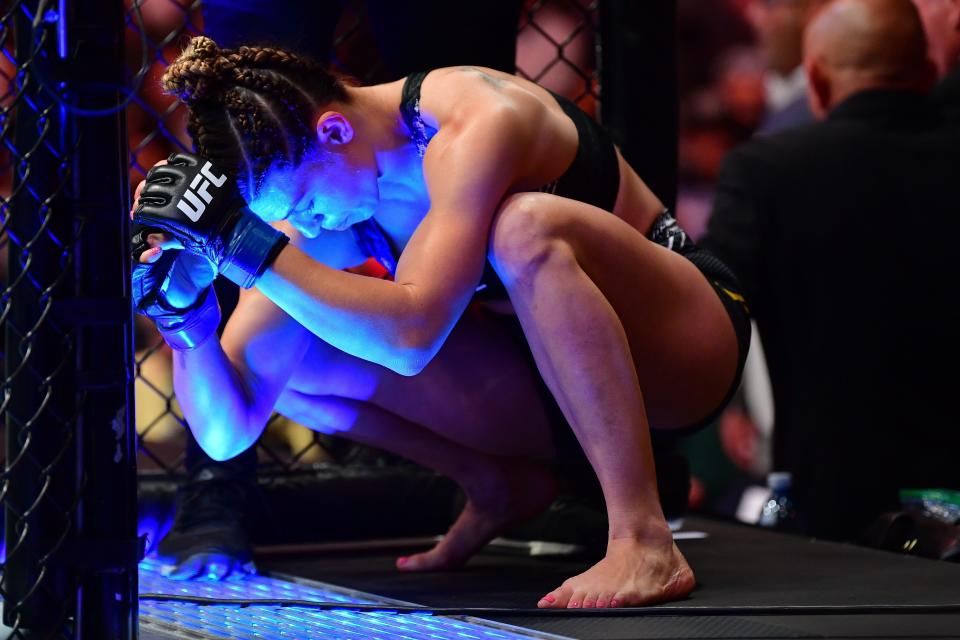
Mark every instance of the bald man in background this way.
pixel 842 234
pixel 941 20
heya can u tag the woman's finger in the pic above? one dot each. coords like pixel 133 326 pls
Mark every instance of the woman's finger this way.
pixel 150 255
pixel 139 189
pixel 163 240
pixel 136 197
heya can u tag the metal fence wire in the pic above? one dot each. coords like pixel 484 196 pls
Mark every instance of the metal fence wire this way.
pixel 38 415
pixel 556 41
pixel 68 480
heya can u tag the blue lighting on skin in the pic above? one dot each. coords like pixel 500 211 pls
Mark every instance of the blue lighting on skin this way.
pixel 275 199
pixel 322 191
pixel 218 444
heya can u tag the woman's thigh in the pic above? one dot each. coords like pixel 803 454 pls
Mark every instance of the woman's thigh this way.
pixel 481 390
pixel 681 337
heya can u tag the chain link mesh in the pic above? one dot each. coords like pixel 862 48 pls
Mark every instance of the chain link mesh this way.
pixel 36 485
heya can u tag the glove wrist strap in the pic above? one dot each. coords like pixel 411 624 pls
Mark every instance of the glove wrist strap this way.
pixel 252 246
pixel 195 326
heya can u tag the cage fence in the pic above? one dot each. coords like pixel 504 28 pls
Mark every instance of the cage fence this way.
pixel 39 417
pixel 68 480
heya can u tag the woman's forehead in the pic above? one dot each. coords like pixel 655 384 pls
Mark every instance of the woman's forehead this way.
pixel 277 193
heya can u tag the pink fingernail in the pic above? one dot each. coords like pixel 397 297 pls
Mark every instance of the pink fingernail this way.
pixel 614 603
pixel 402 562
pixel 549 599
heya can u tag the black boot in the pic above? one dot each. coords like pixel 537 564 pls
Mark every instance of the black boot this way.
pixel 210 536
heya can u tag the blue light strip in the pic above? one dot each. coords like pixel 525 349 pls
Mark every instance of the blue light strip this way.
pixel 293 622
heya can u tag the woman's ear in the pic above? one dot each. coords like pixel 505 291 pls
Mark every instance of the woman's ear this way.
pixel 333 128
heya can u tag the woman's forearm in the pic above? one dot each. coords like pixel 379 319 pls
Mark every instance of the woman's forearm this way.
pixel 215 401
pixel 373 319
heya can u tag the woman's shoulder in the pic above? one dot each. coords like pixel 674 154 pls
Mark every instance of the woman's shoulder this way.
pixel 461 94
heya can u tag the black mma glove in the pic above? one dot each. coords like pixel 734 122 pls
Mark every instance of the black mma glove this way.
pixel 200 206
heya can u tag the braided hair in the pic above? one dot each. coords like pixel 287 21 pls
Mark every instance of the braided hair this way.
pixel 252 106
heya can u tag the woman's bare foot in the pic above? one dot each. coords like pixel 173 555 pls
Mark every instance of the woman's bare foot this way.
pixel 633 573
pixel 513 493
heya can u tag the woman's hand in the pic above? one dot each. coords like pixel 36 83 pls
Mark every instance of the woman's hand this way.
pixel 198 204
pixel 146 244
pixel 176 276
pixel 172 288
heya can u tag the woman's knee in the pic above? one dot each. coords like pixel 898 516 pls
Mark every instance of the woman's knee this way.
pixel 525 233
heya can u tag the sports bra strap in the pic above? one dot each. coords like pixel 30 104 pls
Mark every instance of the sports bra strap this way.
pixel 410 110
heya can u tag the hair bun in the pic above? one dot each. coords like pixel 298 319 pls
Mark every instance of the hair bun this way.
pixel 199 72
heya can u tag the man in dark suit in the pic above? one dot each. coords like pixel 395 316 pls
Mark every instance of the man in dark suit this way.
pixel 842 234
pixel 941 20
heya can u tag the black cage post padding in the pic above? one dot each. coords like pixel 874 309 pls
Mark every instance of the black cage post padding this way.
pixel 638 81
pixel 106 550
pixel 69 482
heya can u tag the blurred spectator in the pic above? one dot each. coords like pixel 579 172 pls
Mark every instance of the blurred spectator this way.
pixel 722 101
pixel 746 427
pixel 706 31
pixel 714 119
pixel 855 312
pixel 941 20
pixel 779 26
pixel 721 98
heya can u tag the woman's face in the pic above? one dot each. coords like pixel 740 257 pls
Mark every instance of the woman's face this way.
pixel 327 190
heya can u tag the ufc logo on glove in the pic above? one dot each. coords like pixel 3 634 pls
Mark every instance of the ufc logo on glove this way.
pixel 177 200
pixel 205 178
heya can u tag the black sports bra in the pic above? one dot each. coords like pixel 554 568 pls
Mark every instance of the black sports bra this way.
pixel 410 110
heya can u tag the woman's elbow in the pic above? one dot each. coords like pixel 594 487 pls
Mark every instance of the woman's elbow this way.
pixel 413 351
pixel 410 361
pixel 222 443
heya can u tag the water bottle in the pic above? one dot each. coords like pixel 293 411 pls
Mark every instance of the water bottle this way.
pixel 779 511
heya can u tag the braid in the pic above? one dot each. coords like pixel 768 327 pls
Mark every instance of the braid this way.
pixel 267 58
pixel 199 72
pixel 251 106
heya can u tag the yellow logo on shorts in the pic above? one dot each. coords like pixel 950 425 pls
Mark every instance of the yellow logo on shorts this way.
pixel 734 296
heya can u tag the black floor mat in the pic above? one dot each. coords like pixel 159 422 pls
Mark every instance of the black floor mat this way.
pixel 735 566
